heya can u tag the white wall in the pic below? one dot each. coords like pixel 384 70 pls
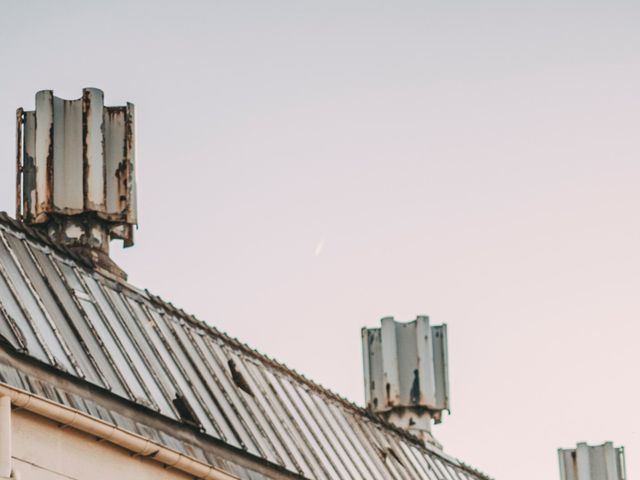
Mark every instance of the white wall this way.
pixel 44 451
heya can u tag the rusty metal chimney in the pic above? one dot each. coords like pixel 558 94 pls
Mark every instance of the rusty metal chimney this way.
pixel 406 373
pixel 75 173
pixel 586 462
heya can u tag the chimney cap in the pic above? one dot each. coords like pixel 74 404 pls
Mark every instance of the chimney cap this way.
pixel 406 372
pixel 75 164
pixel 592 462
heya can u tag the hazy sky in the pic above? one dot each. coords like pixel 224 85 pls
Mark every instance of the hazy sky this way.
pixel 306 168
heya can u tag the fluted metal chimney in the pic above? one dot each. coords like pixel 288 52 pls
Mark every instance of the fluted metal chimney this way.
pixel 586 462
pixel 75 173
pixel 406 373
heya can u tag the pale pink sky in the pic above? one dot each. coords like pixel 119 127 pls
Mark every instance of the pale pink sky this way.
pixel 307 167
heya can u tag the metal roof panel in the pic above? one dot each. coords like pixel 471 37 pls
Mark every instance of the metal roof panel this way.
pixel 144 350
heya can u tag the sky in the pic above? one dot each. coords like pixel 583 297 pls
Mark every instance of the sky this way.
pixel 306 168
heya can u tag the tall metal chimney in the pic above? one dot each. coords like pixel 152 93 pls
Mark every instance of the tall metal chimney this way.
pixel 585 462
pixel 406 373
pixel 75 173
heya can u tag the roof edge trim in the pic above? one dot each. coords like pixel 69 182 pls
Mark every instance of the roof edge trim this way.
pixel 133 442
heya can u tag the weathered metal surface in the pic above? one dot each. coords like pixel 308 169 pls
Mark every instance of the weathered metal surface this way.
pixel 586 462
pixel 405 371
pixel 19 120
pixel 145 351
pixel 76 158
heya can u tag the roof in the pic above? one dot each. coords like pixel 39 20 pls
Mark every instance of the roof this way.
pixel 193 386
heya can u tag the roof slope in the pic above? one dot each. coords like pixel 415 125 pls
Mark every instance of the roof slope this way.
pixel 57 310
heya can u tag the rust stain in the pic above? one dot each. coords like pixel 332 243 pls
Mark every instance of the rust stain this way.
pixel 19 133
pixel 86 113
pixel 48 201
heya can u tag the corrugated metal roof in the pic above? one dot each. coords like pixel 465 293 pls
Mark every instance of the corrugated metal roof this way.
pixel 56 309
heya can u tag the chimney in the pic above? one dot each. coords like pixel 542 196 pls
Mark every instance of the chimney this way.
pixel 406 373
pixel 585 462
pixel 75 173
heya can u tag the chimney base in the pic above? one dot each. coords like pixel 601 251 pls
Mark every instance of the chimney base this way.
pixel 86 235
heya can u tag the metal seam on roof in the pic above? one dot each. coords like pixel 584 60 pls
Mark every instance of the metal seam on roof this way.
pixel 103 350
pixel 43 311
pixel 37 338
pixel 314 463
pixel 274 436
pixel 119 346
pixel 279 426
pixel 121 330
pixel 113 297
pixel 43 264
pixel 198 385
pixel 173 363
pixel 231 410
pixel 226 411
pixel 235 403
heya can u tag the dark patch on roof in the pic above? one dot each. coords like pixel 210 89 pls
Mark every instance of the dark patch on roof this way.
pixel 185 411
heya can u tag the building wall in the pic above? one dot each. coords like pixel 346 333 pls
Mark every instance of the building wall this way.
pixel 44 451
